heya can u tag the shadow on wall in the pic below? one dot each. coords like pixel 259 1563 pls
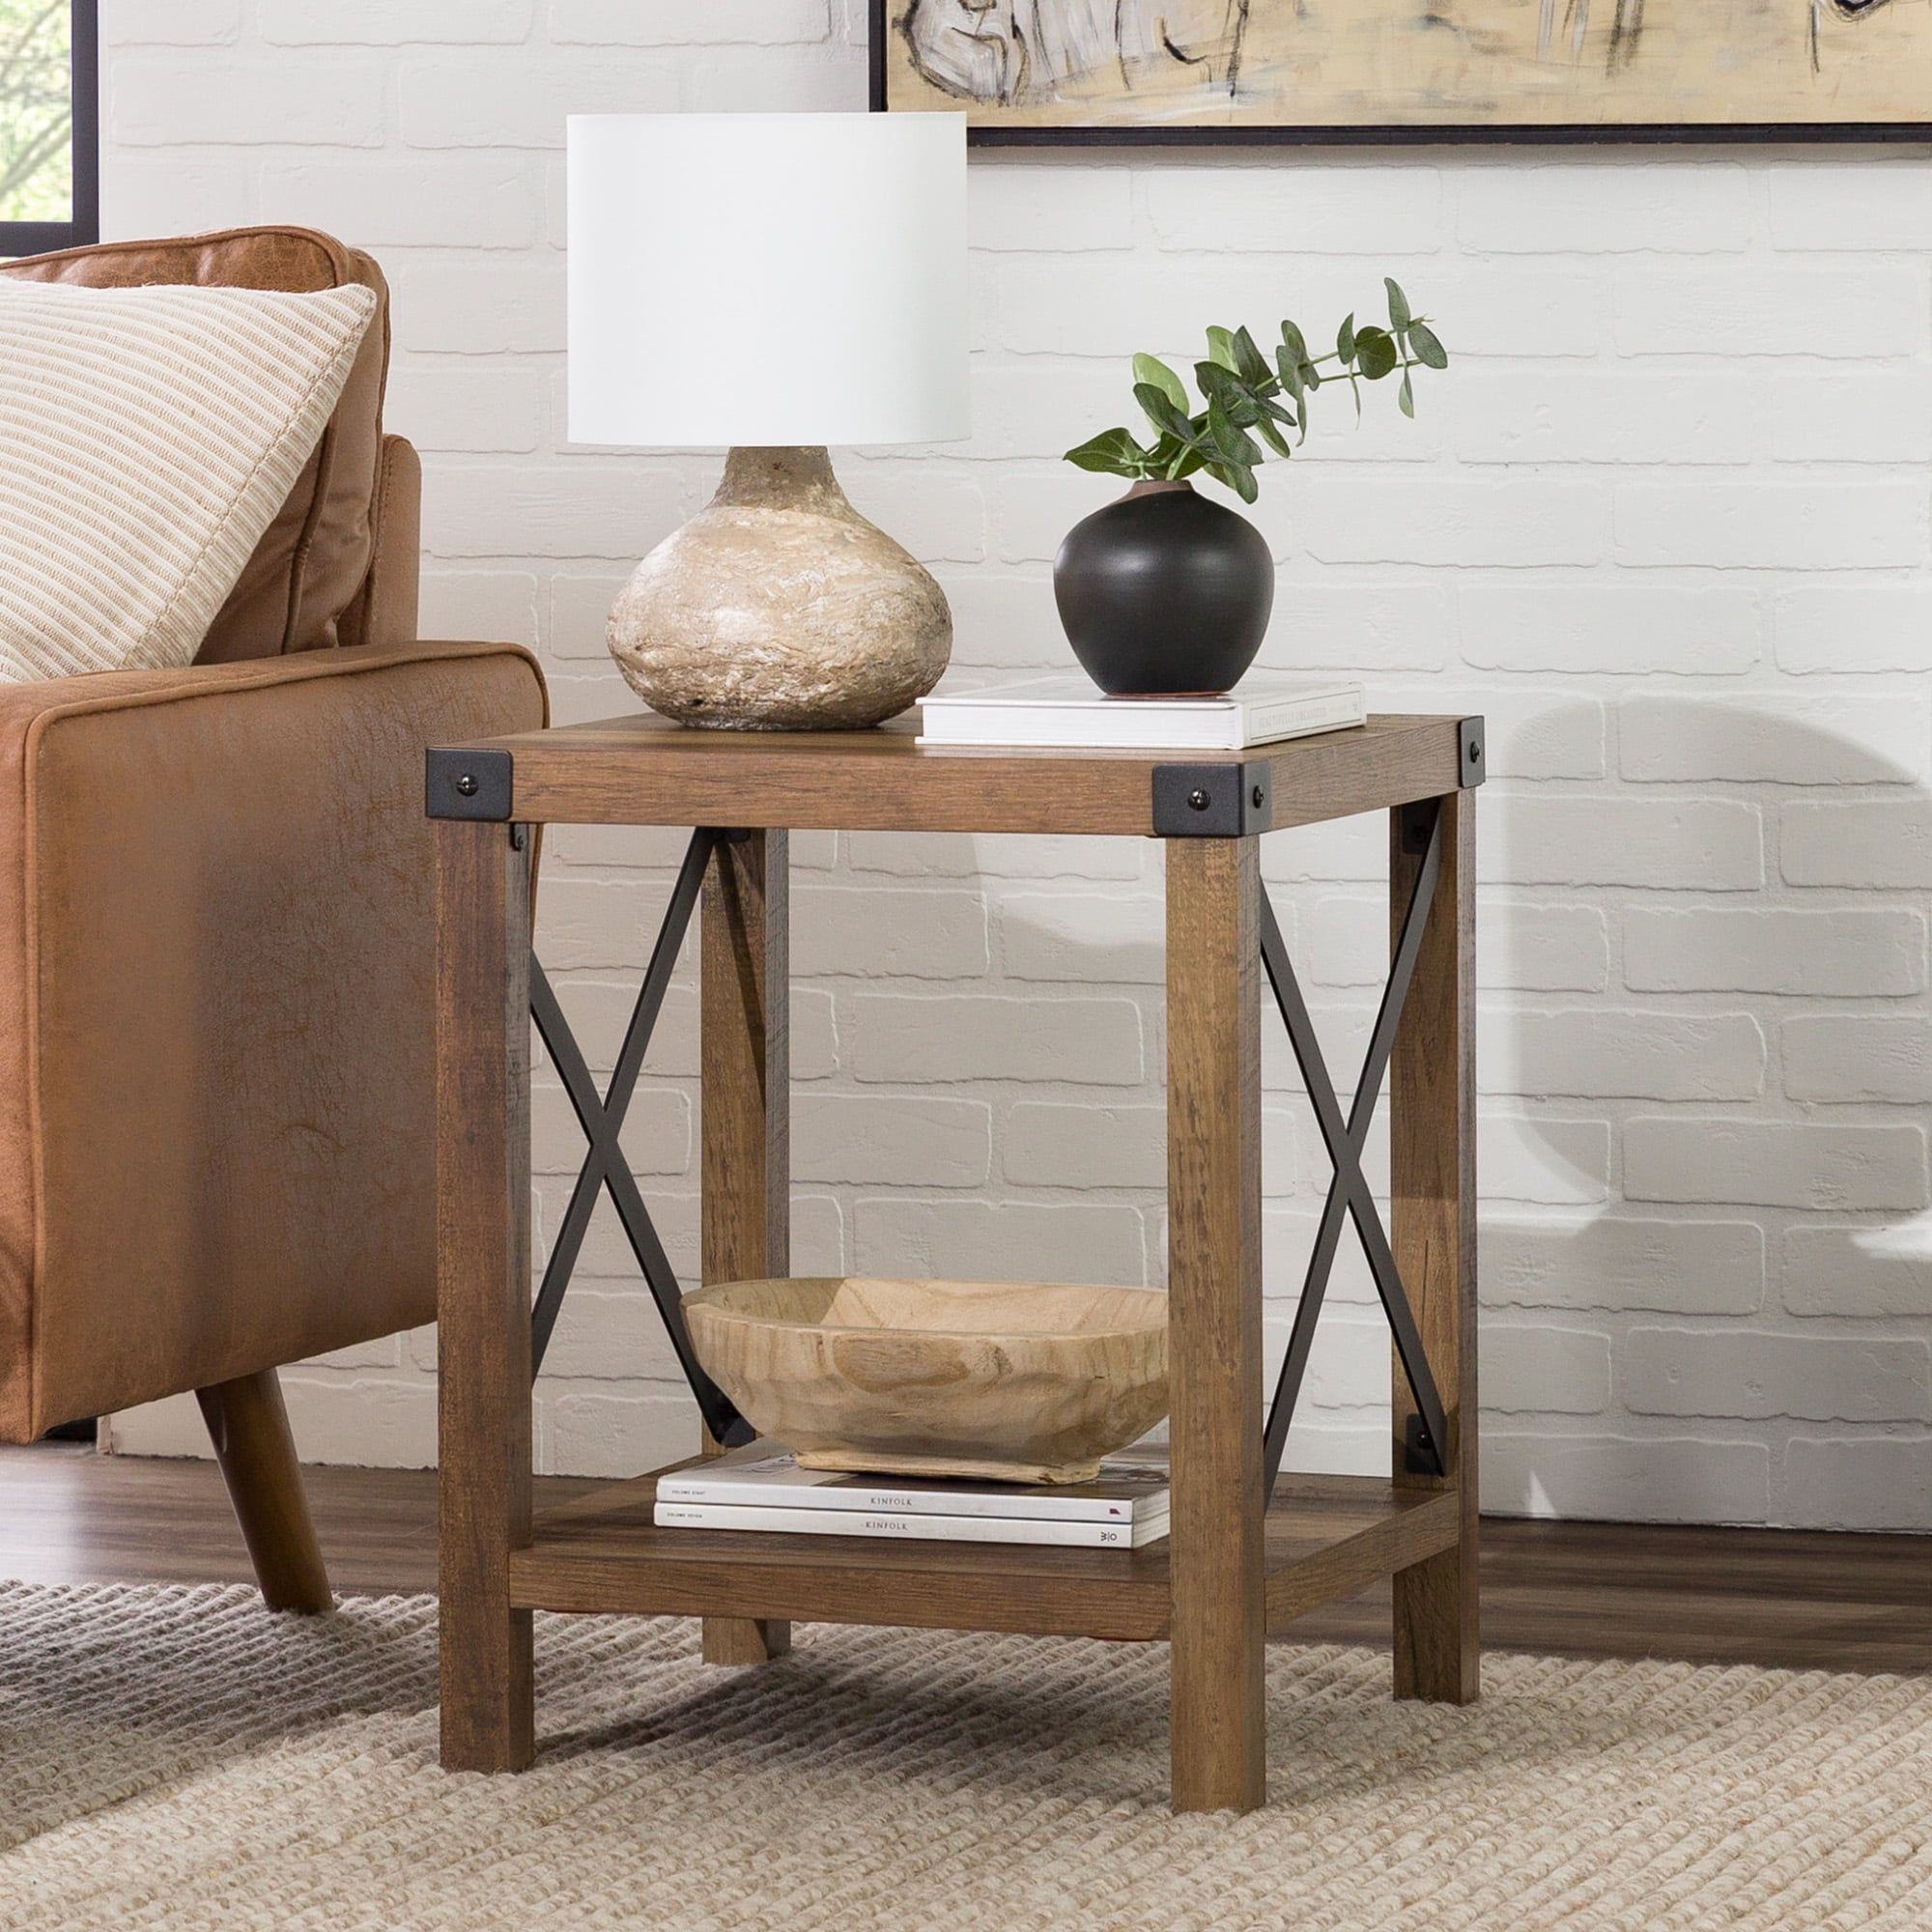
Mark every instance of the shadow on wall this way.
pixel 1704 1053
pixel 1704 1048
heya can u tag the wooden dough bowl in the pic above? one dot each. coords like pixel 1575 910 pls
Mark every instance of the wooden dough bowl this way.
pixel 1001 1380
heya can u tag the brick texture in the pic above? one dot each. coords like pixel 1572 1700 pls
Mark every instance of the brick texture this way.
pixel 1665 520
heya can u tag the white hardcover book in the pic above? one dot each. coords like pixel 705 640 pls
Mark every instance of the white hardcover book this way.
pixel 1068 711
pixel 1129 1490
pixel 928 1528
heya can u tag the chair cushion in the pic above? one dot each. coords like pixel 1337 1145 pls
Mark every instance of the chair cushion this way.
pixel 312 562
pixel 148 438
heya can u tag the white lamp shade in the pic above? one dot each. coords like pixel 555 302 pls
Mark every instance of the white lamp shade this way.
pixel 767 278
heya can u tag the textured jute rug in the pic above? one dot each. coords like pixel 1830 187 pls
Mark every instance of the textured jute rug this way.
pixel 181 1759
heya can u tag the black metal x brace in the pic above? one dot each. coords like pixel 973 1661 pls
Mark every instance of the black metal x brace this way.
pixel 1348 1191
pixel 602 1119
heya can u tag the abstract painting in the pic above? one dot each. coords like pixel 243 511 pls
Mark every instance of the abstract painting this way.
pixel 1241 70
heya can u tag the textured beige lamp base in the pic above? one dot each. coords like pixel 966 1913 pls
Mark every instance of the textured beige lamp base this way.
pixel 780 608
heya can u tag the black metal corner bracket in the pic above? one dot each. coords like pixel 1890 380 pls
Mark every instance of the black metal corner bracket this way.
pixel 458 783
pixel 1348 1192
pixel 1471 753
pixel 602 1119
pixel 1224 801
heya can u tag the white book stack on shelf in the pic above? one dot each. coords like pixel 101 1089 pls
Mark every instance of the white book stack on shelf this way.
pixel 762 1487
pixel 1069 712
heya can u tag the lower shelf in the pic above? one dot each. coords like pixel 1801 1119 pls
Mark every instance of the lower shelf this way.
pixel 1327 1537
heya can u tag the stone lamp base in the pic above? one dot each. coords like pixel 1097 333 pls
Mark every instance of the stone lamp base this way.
pixel 778 607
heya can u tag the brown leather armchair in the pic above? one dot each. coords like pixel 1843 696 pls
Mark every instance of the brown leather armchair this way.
pixel 215 1010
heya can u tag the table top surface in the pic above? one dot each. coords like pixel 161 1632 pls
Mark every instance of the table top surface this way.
pixel 642 769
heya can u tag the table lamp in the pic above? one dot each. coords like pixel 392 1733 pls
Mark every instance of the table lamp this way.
pixel 772 283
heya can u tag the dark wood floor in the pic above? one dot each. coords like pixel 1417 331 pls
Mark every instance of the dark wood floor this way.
pixel 1745 1596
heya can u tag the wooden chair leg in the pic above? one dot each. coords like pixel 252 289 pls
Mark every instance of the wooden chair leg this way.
pixel 249 1425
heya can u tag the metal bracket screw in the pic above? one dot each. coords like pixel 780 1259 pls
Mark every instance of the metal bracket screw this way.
pixel 475 781
pixel 1420 1455
pixel 1211 801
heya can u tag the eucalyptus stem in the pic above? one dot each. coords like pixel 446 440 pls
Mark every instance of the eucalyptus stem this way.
pixel 1243 391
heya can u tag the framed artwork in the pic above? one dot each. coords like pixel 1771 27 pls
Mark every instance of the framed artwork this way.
pixel 1085 72
pixel 49 157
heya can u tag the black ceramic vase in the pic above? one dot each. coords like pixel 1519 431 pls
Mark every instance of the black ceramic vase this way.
pixel 1164 592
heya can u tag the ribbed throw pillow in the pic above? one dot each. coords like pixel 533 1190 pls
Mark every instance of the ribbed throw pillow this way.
pixel 147 437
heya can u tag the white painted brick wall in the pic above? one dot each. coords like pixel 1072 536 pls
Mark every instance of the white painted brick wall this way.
pixel 1666 519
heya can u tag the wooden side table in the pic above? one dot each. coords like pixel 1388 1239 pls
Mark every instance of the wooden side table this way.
pixel 1247 1553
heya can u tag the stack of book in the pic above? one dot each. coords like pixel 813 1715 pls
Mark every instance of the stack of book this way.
pixel 761 1487
pixel 1069 712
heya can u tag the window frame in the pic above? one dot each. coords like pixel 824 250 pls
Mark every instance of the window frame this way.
pixel 82 228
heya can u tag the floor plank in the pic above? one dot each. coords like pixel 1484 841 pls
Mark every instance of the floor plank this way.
pixel 1799 1599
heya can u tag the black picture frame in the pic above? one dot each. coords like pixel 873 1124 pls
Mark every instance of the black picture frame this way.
pixel 1664 133
pixel 83 224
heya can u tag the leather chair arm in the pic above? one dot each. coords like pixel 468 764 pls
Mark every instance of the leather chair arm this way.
pixel 215 1013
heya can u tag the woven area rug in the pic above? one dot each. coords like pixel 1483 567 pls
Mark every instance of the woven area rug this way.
pixel 181 1759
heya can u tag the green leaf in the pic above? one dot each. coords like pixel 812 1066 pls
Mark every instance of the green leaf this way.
pixel 1404 398
pixel 1249 362
pixel 1292 374
pixel 1232 476
pixel 1292 343
pixel 1221 347
pixel 1223 387
pixel 1398 306
pixel 1114 452
pixel 1429 352
pixel 1272 436
pixel 1375 353
pixel 1344 339
pixel 1162 414
pixel 1230 440
pixel 1153 370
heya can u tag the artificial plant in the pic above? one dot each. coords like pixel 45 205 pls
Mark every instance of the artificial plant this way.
pixel 1243 391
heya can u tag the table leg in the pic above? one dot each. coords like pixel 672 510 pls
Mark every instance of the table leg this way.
pixel 744 974
pixel 483 1287
pixel 1432 1232
pixel 1217 1722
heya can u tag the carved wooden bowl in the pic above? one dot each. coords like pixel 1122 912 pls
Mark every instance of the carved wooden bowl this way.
pixel 1003 1380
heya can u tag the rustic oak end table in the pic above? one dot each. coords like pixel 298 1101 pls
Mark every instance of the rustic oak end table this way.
pixel 1248 1552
